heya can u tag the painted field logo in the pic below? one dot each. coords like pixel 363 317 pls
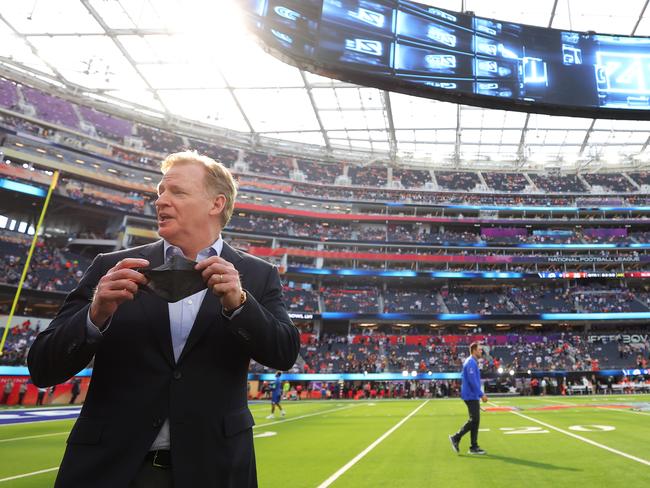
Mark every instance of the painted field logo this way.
pixel 592 428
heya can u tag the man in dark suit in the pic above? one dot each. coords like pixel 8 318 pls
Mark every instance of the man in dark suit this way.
pixel 143 423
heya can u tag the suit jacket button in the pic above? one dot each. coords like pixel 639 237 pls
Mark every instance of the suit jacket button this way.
pixel 177 375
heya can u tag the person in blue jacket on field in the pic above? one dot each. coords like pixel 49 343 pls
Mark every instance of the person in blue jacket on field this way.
pixel 471 392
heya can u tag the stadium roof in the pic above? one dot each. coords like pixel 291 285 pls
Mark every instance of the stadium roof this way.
pixel 193 59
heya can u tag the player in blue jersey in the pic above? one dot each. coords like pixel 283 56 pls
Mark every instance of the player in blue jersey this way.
pixel 276 396
pixel 471 392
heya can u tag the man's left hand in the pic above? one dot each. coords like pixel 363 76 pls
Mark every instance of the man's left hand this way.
pixel 222 279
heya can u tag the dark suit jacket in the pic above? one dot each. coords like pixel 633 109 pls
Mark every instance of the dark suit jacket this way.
pixel 136 383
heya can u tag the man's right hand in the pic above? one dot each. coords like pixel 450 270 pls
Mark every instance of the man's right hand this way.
pixel 117 286
pixel 484 398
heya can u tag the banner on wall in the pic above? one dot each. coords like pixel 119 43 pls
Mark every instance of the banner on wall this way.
pixel 622 338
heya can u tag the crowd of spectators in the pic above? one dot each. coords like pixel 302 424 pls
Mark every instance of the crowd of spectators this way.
pixel 411 301
pixel 421 234
pixel 506 182
pixel 641 177
pixel 24 125
pixel 224 155
pixel 350 299
pixel 300 297
pixel 318 172
pixel 372 176
pixel 159 140
pixel 131 202
pixel 270 165
pixel 558 184
pixel 568 353
pixel 134 158
pixel 614 182
pixel 548 298
pixel 607 300
pixel 412 178
pixel 418 233
pixel 51 268
pixel 457 180
pixel 292 228
pixel 470 300
pixel 541 299
pixel 521 352
pixel 19 338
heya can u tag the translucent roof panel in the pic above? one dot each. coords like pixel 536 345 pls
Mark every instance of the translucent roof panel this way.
pixel 417 113
pixel 512 10
pixel 598 15
pixel 215 107
pixel 274 110
pixel 14 48
pixel 91 61
pixel 194 60
pixel 59 17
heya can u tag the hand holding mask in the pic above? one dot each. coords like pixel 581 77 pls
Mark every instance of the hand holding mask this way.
pixel 175 279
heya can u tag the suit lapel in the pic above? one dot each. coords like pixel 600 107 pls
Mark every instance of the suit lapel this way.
pixel 156 309
pixel 210 310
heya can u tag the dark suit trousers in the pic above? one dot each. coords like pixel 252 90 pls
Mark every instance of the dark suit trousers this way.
pixel 474 410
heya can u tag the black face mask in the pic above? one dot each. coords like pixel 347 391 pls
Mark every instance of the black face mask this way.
pixel 174 280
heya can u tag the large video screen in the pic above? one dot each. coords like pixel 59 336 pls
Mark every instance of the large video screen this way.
pixel 426 51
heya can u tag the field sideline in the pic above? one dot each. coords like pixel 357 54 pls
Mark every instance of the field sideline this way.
pixel 544 441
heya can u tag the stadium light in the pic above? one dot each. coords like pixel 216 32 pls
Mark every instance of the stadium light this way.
pixel 512 372
pixel 429 373
pixel 405 373
pixel 528 371
pixel 500 370
pixel 414 373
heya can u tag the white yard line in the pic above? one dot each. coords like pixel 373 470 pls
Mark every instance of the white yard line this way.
pixel 290 419
pixel 32 437
pixel 33 473
pixel 359 456
pixel 583 439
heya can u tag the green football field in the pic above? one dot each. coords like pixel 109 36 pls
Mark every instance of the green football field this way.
pixel 544 441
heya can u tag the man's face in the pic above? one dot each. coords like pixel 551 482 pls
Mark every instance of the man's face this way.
pixel 479 352
pixel 185 211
